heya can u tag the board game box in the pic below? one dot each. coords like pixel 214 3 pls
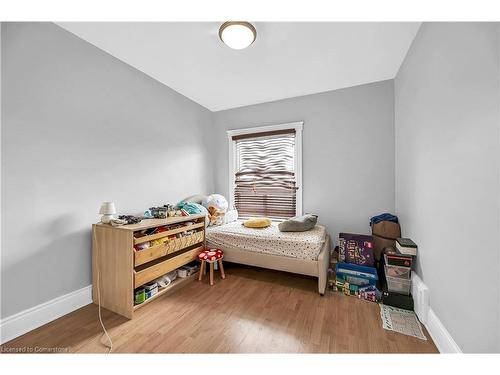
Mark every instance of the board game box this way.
pixel 356 249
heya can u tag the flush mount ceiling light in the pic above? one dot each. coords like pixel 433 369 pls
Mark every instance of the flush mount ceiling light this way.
pixel 237 34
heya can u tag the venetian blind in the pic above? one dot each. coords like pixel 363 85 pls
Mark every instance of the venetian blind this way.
pixel 265 179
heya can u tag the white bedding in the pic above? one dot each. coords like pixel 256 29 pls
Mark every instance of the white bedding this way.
pixel 301 245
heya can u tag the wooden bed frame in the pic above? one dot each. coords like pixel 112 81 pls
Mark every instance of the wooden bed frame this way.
pixel 317 268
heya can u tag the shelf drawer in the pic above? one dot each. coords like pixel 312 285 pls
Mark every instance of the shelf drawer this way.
pixel 150 273
pixel 149 254
pixel 172 246
pixel 168 233
pixel 183 242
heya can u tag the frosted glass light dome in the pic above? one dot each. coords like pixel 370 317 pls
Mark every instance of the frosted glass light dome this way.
pixel 237 34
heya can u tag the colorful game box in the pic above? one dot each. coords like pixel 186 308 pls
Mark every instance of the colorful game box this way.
pixel 356 249
pixel 357 275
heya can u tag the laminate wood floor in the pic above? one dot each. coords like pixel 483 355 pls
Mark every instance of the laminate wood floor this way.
pixel 251 311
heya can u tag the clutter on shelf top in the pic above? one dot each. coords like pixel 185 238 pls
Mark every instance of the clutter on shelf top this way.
pixel 162 212
pixel 130 219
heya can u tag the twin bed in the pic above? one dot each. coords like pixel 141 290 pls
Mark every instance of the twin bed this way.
pixel 306 253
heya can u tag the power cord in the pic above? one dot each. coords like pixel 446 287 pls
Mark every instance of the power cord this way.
pixel 105 333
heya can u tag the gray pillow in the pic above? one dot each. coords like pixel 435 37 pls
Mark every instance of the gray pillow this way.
pixel 299 223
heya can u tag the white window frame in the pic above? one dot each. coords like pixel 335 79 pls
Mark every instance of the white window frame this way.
pixel 298 126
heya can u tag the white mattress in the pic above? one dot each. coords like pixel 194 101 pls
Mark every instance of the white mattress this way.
pixel 301 245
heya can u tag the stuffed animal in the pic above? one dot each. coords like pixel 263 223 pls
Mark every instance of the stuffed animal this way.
pixel 216 200
pixel 215 216
pixel 217 206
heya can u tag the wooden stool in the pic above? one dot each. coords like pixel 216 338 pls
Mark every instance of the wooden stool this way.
pixel 211 256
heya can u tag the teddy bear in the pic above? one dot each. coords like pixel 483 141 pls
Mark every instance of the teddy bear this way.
pixel 215 216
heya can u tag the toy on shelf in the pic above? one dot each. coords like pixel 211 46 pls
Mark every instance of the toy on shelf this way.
pixel 139 296
pixel 130 219
pixel 173 212
pixel 187 270
pixel 151 289
pixel 166 279
pixel 158 241
pixel 162 212
pixel 142 246
pixel 159 212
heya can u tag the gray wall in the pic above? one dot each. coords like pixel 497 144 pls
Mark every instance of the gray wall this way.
pixel 447 173
pixel 348 151
pixel 80 127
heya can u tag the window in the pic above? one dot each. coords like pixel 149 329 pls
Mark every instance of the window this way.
pixel 265 171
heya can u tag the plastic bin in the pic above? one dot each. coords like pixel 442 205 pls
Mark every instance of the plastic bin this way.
pixel 397 271
pixel 398 285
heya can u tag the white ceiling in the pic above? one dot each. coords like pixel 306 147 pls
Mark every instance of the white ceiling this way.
pixel 286 60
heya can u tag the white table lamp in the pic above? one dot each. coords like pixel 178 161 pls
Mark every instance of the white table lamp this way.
pixel 107 211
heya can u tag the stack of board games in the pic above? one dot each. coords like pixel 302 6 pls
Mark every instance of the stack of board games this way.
pixel 355 280
pixel 354 273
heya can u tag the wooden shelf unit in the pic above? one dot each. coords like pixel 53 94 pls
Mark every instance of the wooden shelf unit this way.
pixel 122 268
pixel 175 285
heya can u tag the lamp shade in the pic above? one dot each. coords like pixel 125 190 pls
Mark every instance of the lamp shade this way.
pixel 237 34
pixel 107 208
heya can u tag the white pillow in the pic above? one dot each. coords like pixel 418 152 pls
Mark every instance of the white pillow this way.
pixel 231 215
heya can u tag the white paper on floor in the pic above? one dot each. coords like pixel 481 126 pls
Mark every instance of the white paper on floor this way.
pixel 401 321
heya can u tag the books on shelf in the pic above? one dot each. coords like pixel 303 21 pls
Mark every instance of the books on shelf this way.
pixel 406 246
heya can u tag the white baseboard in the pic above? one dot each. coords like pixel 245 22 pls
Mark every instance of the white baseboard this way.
pixel 18 324
pixel 421 298
pixel 440 335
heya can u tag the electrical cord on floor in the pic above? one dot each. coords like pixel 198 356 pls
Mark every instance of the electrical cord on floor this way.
pixel 105 333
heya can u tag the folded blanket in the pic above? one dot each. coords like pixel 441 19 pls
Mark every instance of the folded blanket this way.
pixel 194 209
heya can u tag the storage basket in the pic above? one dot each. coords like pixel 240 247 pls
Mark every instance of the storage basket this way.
pixel 183 242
